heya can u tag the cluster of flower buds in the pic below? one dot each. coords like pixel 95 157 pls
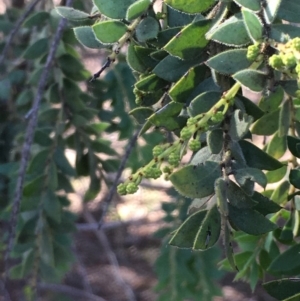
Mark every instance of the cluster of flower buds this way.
pixel 288 57
pixel 168 156
pixel 253 51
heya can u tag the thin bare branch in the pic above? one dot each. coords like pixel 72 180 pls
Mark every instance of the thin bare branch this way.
pixel 111 256
pixel 69 290
pixel 105 204
pixel 15 30
pixel 29 138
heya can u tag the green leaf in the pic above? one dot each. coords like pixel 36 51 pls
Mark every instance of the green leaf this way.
pixel 36 19
pixel 283 288
pixel 113 9
pixel 177 18
pixel 109 32
pixel 46 246
pixel 34 187
pixel 290 87
pixel 289 11
pixel 251 108
pixel 179 67
pixel 276 175
pixel 230 61
pixel 134 61
pixel 253 25
pixel 253 5
pixel 257 158
pixel 183 88
pixel 141 114
pixel 284 119
pixel 232 32
pixel 280 194
pixel 287 263
pixel 147 29
pixel 239 125
pixel 209 232
pixel 196 181
pixel 282 33
pixel 250 221
pixel 238 198
pixel 94 188
pixel 295 178
pixel 86 36
pixel 267 125
pixel 137 8
pixel 39 161
pixel 192 6
pixel 37 49
pixel 277 146
pixel 270 9
pixel 184 236
pixel 150 83
pixel 166 116
pixel 251 79
pixel 52 206
pixel 273 101
pixel 264 205
pixel 71 14
pixel 215 141
pixel 204 102
pixel 190 42
pixel 62 162
pixel 253 174
pixel 294 145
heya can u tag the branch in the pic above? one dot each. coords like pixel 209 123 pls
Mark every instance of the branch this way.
pixel 112 190
pixel 110 255
pixel 29 138
pixel 15 30
pixel 106 65
pixel 69 290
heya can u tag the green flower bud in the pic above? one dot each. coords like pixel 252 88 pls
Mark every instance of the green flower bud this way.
pixel 289 60
pixel 217 117
pixel 296 44
pixel 121 189
pixel 186 133
pixel 194 145
pixel 191 121
pixel 156 173
pixel 157 150
pixel 148 172
pixel 131 188
pixel 253 52
pixel 167 169
pixel 174 159
pixel 275 61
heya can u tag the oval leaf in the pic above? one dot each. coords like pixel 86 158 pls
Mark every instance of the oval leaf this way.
pixel 253 25
pixel 147 29
pixel 109 32
pixel 252 79
pixel 230 61
pixel 196 181
pixel 192 6
pixel 250 221
pixel 86 36
pixel 113 9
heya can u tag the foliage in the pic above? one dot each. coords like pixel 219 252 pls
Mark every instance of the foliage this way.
pixel 189 61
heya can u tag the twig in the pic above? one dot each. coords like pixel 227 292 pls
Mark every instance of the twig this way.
pixel 15 30
pixel 111 256
pixel 106 65
pixel 29 138
pixel 107 201
pixel 4 291
pixel 83 272
pixel 69 290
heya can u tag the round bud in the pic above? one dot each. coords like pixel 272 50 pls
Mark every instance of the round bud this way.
pixel 289 60
pixel 156 173
pixel 157 150
pixel 217 117
pixel 131 188
pixel 186 133
pixel 174 159
pixel 296 44
pixel 253 52
pixel 121 189
pixel 194 145
pixel 191 121
pixel 275 61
